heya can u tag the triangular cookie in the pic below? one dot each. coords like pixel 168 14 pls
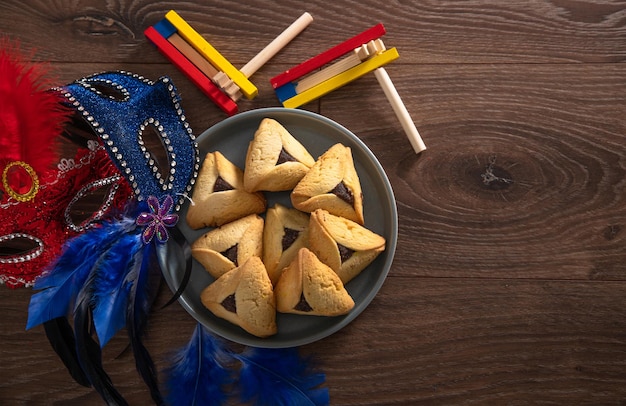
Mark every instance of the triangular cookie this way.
pixel 284 234
pixel 342 244
pixel 275 160
pixel 218 196
pixel 331 184
pixel 244 297
pixel 307 286
pixel 230 245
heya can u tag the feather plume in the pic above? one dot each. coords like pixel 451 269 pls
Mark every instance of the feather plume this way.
pixel 70 285
pixel 61 337
pixel 111 279
pixel 276 377
pixel 143 281
pixel 31 117
pixel 88 350
pixel 111 289
pixel 61 284
pixel 197 375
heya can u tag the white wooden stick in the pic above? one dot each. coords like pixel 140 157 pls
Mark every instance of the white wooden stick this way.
pixel 276 45
pixel 400 109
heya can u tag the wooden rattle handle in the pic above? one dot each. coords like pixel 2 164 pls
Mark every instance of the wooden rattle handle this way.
pixel 400 109
pixel 276 45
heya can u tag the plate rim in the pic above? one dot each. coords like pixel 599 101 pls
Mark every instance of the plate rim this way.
pixel 342 321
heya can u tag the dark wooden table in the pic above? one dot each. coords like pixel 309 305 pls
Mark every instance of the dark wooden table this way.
pixel 509 281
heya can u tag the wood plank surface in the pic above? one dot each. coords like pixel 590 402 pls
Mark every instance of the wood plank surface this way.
pixel 508 285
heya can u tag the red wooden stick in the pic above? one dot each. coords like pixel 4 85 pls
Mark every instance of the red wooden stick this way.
pixel 191 71
pixel 327 56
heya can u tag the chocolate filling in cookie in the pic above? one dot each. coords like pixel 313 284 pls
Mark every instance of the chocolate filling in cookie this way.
pixel 231 253
pixel 342 192
pixel 229 303
pixel 344 252
pixel 289 237
pixel 303 305
pixel 221 185
pixel 285 156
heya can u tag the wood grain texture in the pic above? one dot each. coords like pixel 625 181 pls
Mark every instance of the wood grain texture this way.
pixel 474 31
pixel 509 281
pixel 452 344
pixel 518 181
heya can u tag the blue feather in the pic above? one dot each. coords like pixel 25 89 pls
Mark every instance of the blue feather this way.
pixel 197 375
pixel 70 284
pixel 61 285
pixel 87 349
pixel 110 294
pixel 143 281
pixel 279 377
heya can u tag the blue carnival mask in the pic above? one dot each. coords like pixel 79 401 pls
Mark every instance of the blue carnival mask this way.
pixel 122 108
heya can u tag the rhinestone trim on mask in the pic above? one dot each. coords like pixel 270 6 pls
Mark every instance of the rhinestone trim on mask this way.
pixel 88 223
pixel 23 257
pixel 87 83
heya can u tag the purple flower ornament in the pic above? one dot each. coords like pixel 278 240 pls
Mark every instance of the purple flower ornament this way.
pixel 157 220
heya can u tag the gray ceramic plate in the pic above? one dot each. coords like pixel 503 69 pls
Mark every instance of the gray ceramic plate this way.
pixel 317 133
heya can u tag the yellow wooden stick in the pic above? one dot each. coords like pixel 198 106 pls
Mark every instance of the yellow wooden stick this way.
pixel 211 54
pixel 342 79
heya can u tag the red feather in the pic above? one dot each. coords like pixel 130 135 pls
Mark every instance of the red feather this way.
pixel 31 116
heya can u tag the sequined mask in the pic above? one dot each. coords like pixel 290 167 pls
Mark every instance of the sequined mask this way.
pixel 120 109
pixel 36 228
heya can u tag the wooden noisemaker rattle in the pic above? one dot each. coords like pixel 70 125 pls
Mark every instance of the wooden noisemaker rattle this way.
pixel 206 67
pixel 341 65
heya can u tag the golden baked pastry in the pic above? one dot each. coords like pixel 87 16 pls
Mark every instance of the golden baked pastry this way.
pixel 344 245
pixel 218 196
pixel 229 245
pixel 275 160
pixel 331 184
pixel 308 286
pixel 284 234
pixel 244 297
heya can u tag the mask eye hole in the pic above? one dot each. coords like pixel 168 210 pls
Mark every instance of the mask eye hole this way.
pixel 79 214
pixel 110 91
pixel 157 150
pixel 19 247
pixel 106 88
